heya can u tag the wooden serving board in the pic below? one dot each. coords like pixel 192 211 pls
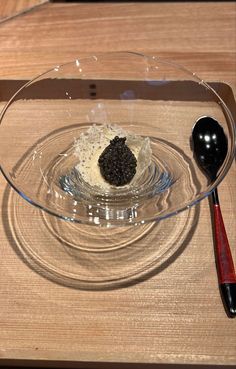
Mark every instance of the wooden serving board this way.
pixel 12 8
pixel 174 314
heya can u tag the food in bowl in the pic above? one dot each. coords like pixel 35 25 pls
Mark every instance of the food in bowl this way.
pixel 111 157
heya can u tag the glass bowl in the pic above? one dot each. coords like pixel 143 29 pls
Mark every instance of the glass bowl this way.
pixel 144 95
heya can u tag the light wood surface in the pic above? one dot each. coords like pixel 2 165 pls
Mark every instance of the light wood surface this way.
pixel 201 36
pixel 175 316
pixel 11 8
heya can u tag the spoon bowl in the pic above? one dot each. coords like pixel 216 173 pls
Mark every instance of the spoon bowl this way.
pixel 210 145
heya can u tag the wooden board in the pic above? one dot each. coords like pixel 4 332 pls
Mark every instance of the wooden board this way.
pixel 201 36
pixel 176 315
pixel 11 8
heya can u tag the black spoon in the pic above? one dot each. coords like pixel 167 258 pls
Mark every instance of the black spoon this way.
pixel 210 149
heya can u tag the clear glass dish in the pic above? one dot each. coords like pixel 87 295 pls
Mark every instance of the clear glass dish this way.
pixel 144 95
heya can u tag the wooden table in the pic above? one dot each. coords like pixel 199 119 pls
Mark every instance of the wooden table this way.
pixel 13 8
pixel 176 316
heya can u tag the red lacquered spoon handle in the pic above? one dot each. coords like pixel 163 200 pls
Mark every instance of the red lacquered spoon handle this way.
pixel 224 260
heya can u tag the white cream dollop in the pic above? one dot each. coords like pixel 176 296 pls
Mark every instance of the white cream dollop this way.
pixel 90 145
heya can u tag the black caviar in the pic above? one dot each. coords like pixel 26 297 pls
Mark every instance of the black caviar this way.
pixel 117 162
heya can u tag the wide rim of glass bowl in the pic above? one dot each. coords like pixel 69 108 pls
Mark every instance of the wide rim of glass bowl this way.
pixel 67 216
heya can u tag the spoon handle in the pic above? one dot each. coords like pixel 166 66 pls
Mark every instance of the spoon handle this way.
pixel 224 260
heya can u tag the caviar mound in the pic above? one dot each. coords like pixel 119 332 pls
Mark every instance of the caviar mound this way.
pixel 117 162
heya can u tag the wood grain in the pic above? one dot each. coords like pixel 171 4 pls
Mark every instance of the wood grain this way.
pixel 176 316
pixel 201 36
pixel 11 8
